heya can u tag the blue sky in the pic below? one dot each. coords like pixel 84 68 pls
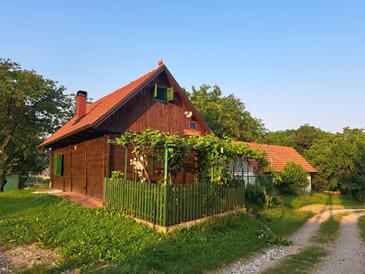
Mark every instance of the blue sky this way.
pixel 291 62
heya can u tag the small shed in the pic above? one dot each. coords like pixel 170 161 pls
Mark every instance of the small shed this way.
pixel 12 182
pixel 279 156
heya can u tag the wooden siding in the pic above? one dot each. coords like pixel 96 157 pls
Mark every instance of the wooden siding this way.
pixel 142 112
pixel 86 164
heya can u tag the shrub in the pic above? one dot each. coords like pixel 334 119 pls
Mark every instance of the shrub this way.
pixel 258 194
pixel 293 179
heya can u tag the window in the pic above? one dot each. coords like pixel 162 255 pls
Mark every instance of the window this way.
pixel 192 124
pixel 58 165
pixel 163 94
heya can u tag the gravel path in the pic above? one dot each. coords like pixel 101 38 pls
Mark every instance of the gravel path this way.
pixel 347 255
pixel 271 256
pixel 4 265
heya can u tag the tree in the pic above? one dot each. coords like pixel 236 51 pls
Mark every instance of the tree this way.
pixel 301 139
pixel 31 107
pixel 226 115
pixel 340 160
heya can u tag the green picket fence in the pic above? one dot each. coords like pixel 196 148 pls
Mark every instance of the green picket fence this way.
pixel 172 204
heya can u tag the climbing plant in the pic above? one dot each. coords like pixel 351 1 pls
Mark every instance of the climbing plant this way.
pixel 214 155
pixel 152 144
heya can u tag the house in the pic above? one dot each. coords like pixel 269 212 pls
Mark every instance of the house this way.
pixel 81 155
pixel 278 157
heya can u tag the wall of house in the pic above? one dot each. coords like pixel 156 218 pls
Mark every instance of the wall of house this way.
pixel 85 165
pixel 143 111
pixel 309 187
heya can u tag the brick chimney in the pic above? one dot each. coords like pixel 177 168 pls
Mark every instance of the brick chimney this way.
pixel 81 98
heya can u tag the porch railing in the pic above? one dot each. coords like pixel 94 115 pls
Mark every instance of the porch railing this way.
pixel 167 205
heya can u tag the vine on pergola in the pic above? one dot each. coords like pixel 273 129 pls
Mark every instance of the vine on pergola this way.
pixel 214 155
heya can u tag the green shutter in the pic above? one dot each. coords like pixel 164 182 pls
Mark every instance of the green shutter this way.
pixel 155 91
pixel 57 165
pixel 170 94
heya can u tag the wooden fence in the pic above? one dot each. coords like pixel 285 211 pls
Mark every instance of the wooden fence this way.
pixel 167 205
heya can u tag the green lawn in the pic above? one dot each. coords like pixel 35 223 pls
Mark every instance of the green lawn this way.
pixel 91 238
pixel 319 198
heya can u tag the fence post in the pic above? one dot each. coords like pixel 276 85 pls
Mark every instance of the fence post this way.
pixel 126 163
pixel 165 192
pixel 104 194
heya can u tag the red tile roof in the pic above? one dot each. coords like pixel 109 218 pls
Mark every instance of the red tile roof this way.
pixel 279 156
pixel 100 108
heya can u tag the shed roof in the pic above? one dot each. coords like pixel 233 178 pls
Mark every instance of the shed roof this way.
pixel 279 156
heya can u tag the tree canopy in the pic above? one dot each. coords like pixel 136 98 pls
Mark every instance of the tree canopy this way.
pixel 301 139
pixel 31 107
pixel 340 160
pixel 226 115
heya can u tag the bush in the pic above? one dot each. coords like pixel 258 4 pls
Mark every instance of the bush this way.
pixel 293 179
pixel 258 194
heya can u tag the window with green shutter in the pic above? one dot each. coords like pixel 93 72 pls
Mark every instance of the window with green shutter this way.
pixel 58 165
pixel 163 94
pixel 170 94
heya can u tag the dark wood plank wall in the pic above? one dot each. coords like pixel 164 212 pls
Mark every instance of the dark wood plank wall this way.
pixel 85 166
pixel 142 112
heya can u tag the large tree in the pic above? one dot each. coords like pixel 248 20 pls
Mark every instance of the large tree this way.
pixel 340 160
pixel 226 115
pixel 31 107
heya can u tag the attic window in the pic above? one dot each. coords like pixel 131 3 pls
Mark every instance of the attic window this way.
pixel 163 94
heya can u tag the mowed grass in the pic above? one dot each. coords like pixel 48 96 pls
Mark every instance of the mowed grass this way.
pixel 305 260
pixel 91 238
pixel 319 198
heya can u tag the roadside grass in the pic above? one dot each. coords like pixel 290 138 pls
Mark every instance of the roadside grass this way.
pixel 284 221
pixel 362 226
pixel 304 261
pixel 92 238
pixel 319 198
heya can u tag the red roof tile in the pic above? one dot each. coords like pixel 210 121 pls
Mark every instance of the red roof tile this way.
pixel 279 156
pixel 99 109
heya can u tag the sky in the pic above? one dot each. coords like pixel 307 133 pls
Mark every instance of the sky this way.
pixel 290 62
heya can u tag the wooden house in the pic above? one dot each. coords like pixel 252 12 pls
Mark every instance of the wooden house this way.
pixel 81 154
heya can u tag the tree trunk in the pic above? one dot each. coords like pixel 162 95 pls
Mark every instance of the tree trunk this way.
pixel 2 183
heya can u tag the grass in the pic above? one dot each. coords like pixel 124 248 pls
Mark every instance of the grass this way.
pixel 92 238
pixel 284 221
pixel 304 261
pixel 319 198
pixel 362 226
